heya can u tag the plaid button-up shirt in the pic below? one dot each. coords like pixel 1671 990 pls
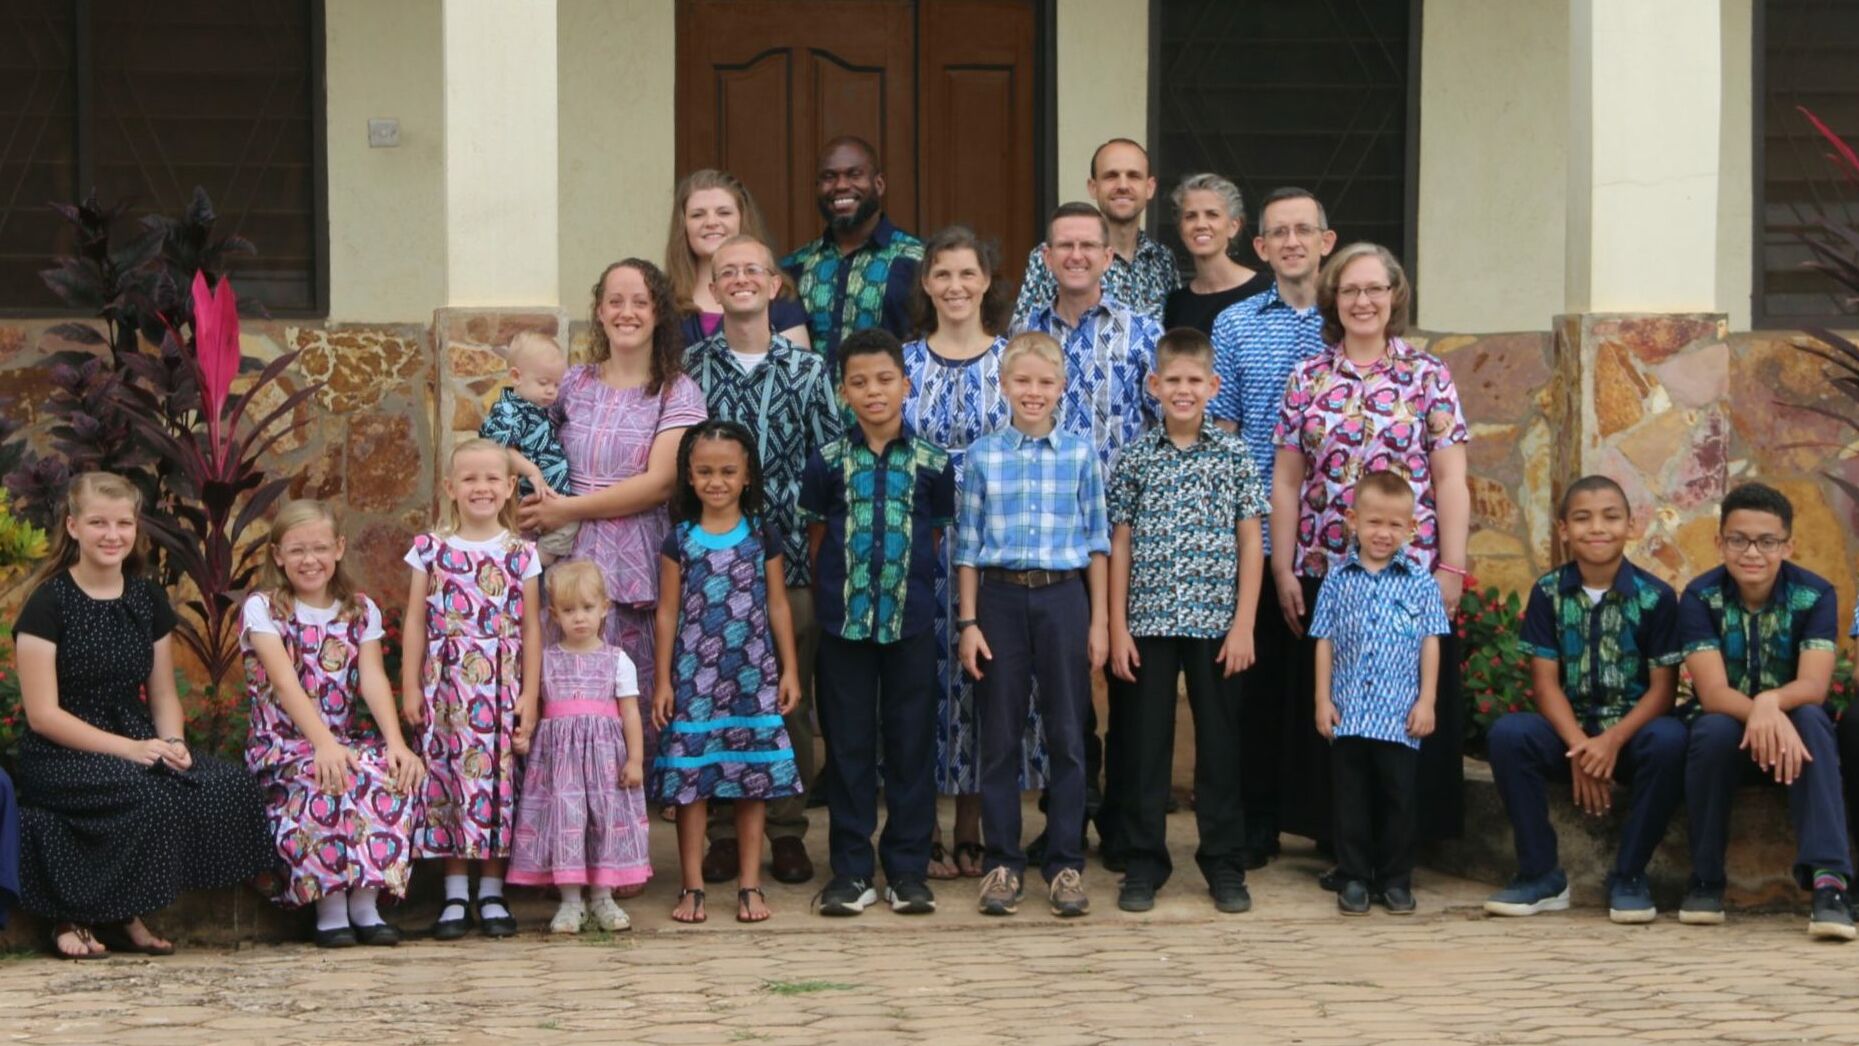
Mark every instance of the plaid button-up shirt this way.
pixel 1031 503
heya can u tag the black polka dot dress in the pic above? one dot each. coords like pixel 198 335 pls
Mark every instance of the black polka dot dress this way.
pixel 103 839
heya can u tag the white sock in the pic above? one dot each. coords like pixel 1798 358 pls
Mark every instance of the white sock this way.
pixel 455 886
pixel 489 887
pixel 362 906
pixel 571 897
pixel 332 910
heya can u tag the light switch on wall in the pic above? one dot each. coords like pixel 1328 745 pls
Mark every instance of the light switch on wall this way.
pixel 383 133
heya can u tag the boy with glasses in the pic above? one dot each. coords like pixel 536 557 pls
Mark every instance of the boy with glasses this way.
pixel 1758 635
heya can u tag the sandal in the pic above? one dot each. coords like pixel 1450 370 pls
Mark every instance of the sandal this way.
pixel 84 938
pixel 968 859
pixel 939 866
pixel 743 914
pixel 496 925
pixel 119 939
pixel 453 929
pixel 696 913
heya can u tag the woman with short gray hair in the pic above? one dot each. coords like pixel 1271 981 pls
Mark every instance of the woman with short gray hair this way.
pixel 1210 215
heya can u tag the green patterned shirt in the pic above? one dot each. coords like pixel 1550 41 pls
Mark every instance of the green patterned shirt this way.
pixel 1760 648
pixel 1605 651
pixel 868 288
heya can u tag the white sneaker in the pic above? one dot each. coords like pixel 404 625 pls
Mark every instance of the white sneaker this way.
pixel 609 916
pixel 569 918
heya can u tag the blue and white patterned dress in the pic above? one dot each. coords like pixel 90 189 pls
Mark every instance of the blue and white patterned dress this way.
pixel 952 403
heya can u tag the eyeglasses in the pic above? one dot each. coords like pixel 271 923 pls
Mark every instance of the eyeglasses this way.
pixel 1768 544
pixel 753 272
pixel 1077 246
pixel 1281 233
pixel 299 553
pixel 1373 292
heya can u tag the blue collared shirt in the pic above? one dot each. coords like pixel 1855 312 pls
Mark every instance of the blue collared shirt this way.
pixel 1605 651
pixel 1257 343
pixel 1108 357
pixel 1376 623
pixel 869 287
pixel 1031 503
pixel 1142 281
pixel 1761 649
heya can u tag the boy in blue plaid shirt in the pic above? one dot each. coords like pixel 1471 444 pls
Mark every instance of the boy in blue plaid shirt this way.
pixel 1031 557
pixel 1377 625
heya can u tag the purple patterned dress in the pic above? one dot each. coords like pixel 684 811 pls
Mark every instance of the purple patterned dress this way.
pixel 330 843
pixel 575 825
pixel 607 434
pixel 471 677
pixel 725 739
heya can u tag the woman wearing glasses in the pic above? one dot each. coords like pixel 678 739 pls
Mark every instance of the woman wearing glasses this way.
pixel 1370 401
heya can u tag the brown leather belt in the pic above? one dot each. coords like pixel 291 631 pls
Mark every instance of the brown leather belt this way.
pixel 1029 578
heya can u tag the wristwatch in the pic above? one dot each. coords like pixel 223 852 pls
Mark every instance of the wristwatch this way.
pixel 963 624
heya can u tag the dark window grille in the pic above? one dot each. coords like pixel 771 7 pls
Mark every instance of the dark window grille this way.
pixel 1314 93
pixel 1804 57
pixel 144 101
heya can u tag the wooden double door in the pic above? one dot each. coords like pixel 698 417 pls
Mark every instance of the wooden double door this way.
pixel 947 90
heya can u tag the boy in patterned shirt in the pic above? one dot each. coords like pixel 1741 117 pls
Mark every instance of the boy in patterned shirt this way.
pixel 1758 635
pixel 1603 635
pixel 522 420
pixel 1377 625
pixel 1185 565
pixel 876 502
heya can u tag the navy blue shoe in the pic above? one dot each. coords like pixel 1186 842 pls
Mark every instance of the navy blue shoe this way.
pixel 1545 893
pixel 1629 900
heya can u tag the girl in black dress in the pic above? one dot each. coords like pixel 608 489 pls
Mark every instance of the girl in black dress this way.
pixel 117 817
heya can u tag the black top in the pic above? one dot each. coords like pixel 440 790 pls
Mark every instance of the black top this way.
pixel 1185 308
pixel 106 648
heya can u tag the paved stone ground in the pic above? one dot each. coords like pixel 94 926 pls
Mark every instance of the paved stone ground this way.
pixel 1291 971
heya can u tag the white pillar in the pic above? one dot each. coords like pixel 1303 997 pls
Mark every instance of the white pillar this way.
pixel 1646 81
pixel 501 188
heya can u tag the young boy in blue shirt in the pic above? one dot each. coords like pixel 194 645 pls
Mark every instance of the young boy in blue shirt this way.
pixel 876 502
pixel 1759 638
pixel 1031 549
pixel 1603 635
pixel 1377 625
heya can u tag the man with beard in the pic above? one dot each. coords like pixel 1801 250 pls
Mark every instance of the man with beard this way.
pixel 860 272
pixel 1142 271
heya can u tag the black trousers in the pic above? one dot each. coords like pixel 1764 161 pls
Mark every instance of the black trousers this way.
pixel 1142 743
pixel 1265 720
pixel 1848 732
pixel 1374 787
pixel 871 693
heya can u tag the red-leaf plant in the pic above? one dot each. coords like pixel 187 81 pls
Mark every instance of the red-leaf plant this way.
pixel 224 484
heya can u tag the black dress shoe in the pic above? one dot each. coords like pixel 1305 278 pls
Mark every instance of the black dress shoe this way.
pixel 1331 880
pixel 453 929
pixel 1352 899
pixel 1399 900
pixel 495 925
pixel 380 935
pixel 340 937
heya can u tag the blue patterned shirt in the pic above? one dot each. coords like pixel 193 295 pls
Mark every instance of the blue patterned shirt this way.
pixel 524 427
pixel 1604 652
pixel 1762 649
pixel 1183 508
pixel 1031 503
pixel 1376 624
pixel 868 288
pixel 788 402
pixel 1142 281
pixel 877 567
pixel 1257 343
pixel 1108 357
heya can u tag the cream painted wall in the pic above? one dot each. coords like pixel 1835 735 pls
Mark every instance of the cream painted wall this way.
pixel 617 135
pixel 1103 82
pixel 1736 202
pixel 386 206
pixel 1494 81
pixel 1646 96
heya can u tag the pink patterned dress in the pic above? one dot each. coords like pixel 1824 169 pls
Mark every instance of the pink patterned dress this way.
pixel 472 677
pixel 330 843
pixel 575 825
pixel 607 434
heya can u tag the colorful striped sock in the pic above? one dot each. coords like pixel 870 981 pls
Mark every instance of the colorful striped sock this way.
pixel 1823 877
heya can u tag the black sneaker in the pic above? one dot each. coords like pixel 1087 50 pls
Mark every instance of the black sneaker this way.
pixel 1136 895
pixel 1399 900
pixel 846 895
pixel 910 897
pixel 1703 906
pixel 1833 917
pixel 1352 899
pixel 1231 896
pixel 1331 880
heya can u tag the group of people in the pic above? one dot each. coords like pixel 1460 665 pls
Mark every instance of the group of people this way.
pixel 845 482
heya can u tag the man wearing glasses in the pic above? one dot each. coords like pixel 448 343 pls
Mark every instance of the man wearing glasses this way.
pixel 1139 272
pixel 784 395
pixel 1257 342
